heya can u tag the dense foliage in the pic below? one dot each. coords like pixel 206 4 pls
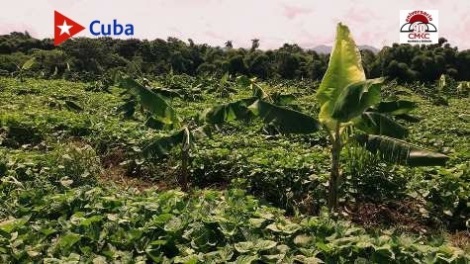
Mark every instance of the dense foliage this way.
pixel 62 146
pixel 86 59
pixel 95 225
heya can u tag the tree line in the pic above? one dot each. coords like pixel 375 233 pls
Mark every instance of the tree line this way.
pixel 90 58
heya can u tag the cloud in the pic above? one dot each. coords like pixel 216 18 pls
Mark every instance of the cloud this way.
pixel 293 11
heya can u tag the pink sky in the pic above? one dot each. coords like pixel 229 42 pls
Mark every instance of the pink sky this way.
pixel 274 22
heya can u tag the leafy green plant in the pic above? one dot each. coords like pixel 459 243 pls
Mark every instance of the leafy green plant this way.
pixel 161 115
pixel 345 97
pixel 77 165
pixel 21 70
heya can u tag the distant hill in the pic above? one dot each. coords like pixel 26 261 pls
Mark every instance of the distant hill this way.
pixel 323 49
pixel 371 48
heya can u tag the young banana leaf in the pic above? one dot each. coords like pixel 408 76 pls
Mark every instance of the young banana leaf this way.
pixel 152 102
pixel 380 124
pixel 285 120
pixel 401 152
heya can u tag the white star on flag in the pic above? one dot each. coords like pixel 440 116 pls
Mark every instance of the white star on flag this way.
pixel 64 28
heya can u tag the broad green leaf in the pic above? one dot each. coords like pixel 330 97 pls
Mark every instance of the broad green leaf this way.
pixel 68 240
pixel 399 107
pixel 28 64
pixel 191 259
pixel 162 146
pixel 256 222
pixel 286 228
pixel 344 68
pixel 308 260
pixel 99 260
pixel 356 98
pixel 225 253
pixel 263 244
pixel 12 224
pixel 325 116
pixel 152 102
pixel 302 239
pixel 46 231
pixel 264 214
pixel 228 112
pixel 91 220
pixel 380 124
pixel 175 224
pixel 401 152
pixel 244 247
pixel 258 91
pixel 33 253
pixel 383 252
pixel 285 120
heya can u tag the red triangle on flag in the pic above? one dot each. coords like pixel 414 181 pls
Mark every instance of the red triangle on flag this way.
pixel 64 28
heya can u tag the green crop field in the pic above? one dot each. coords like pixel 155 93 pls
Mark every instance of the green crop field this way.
pixel 233 169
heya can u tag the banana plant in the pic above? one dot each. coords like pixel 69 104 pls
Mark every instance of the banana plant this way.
pixel 160 114
pixel 23 68
pixel 351 111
